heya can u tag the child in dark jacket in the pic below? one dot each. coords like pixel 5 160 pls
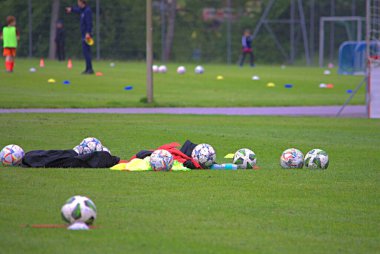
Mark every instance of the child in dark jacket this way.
pixel 246 42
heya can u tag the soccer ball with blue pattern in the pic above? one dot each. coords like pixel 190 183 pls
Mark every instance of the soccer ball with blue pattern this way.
pixel 161 160
pixel 245 158
pixel 292 158
pixel 11 155
pixel 79 209
pixel 204 154
pixel 317 158
pixel 90 145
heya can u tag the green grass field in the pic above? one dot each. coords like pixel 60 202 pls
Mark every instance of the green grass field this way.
pixel 270 210
pixel 23 89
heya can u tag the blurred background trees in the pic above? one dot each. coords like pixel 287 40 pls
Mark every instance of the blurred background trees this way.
pixel 184 30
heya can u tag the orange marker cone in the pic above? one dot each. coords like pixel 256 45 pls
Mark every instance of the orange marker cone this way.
pixel 42 63
pixel 69 64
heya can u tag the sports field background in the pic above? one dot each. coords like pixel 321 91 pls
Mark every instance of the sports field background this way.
pixel 24 89
pixel 270 210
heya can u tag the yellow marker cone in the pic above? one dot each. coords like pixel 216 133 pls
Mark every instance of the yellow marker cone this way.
pixel 229 156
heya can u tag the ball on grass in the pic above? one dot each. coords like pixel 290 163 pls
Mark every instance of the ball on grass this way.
pixel 162 69
pixel 199 69
pixel 317 159
pixel 204 154
pixel 291 158
pixel 181 70
pixel 161 160
pixel 11 155
pixel 79 209
pixel 245 158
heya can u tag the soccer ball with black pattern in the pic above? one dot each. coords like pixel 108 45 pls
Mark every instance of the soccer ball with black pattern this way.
pixel 317 159
pixel 292 158
pixel 204 154
pixel 245 158
pixel 79 209
pixel 11 155
pixel 161 160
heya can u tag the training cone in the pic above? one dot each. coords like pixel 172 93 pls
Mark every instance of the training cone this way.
pixel 42 63
pixel 69 64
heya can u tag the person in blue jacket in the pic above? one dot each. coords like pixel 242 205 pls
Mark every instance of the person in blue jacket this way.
pixel 86 30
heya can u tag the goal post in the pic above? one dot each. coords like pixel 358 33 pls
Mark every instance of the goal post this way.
pixel 373 56
pixel 373 89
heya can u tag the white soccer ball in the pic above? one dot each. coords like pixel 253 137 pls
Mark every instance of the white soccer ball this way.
pixel 181 70
pixel 112 65
pixel 317 158
pixel 199 69
pixel 326 72
pixel 161 160
pixel 162 69
pixel 11 155
pixel 155 68
pixel 245 158
pixel 79 209
pixel 204 154
pixel 32 69
pixel 255 77
pixel 291 158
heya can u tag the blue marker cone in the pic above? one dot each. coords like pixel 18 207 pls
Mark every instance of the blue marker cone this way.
pixel 288 86
pixel 349 91
pixel 128 88
pixel 66 82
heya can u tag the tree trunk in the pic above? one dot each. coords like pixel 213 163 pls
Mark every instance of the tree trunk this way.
pixel 172 9
pixel 54 18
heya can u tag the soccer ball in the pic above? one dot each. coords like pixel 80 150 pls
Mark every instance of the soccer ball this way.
pixel 181 70
pixel 161 160
pixel 89 145
pixel 155 68
pixel 199 69
pixel 317 158
pixel 79 209
pixel 162 69
pixel 204 154
pixel 291 158
pixel 245 158
pixel 11 155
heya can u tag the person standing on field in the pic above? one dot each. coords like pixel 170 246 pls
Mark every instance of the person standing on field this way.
pixel 60 40
pixel 86 30
pixel 246 42
pixel 10 36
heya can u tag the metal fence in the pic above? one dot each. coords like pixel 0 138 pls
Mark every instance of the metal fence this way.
pixel 204 31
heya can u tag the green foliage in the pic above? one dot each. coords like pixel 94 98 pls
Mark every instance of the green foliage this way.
pixel 122 29
pixel 270 210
